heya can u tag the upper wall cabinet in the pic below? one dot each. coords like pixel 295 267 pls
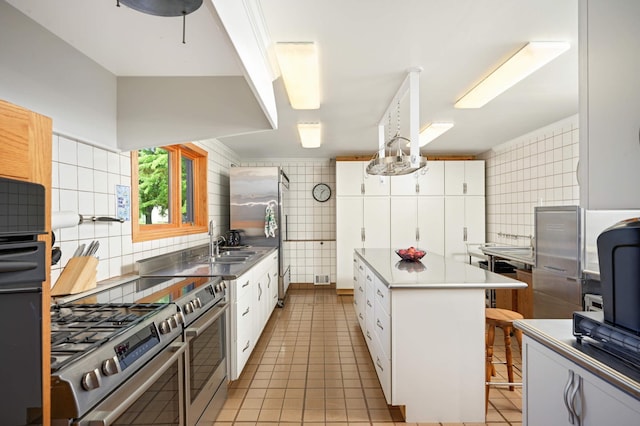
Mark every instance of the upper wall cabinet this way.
pixel 464 177
pixel 352 179
pixel 426 181
pixel 609 37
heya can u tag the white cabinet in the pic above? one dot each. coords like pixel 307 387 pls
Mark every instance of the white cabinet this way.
pixel 557 391
pixel 352 179
pixel 426 181
pixel 418 221
pixel 464 177
pixel 242 324
pixel 361 222
pixel 609 105
pixel 252 300
pixel 464 224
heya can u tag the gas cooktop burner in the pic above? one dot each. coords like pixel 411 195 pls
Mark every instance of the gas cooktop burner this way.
pixel 76 330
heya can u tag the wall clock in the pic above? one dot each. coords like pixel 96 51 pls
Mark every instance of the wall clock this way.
pixel 321 192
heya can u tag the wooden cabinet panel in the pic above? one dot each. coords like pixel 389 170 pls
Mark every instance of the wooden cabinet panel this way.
pixel 25 154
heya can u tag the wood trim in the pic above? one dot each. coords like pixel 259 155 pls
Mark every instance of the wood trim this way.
pixel 200 196
pixel 25 154
pixel 344 291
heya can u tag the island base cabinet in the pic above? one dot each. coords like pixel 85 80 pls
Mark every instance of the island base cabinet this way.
pixel 559 392
pixel 433 369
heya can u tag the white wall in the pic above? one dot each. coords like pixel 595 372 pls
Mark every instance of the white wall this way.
pixel 41 72
pixel 535 169
pixel 84 178
pixel 311 242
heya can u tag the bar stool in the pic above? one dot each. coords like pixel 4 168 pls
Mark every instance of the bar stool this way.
pixel 503 318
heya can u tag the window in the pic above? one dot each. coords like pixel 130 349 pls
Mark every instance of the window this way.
pixel 169 191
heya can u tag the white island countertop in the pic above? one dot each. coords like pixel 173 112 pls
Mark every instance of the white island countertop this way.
pixel 432 271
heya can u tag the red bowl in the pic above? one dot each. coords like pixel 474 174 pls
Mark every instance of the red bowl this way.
pixel 416 256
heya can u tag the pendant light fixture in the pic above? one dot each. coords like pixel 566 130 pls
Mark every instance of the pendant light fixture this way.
pixel 164 8
pixel 397 163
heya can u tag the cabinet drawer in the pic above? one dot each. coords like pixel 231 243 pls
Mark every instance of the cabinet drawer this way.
pixel 382 365
pixel 383 295
pixel 382 326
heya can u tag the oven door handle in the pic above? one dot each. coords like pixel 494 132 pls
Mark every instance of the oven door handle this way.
pixel 106 417
pixel 196 331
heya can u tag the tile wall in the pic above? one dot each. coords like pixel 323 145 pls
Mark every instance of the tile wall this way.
pixel 84 178
pixel 536 169
pixel 312 225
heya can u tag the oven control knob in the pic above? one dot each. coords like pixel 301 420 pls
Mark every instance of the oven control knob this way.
pixel 91 380
pixel 197 303
pixel 164 327
pixel 188 308
pixel 173 323
pixel 110 366
pixel 179 318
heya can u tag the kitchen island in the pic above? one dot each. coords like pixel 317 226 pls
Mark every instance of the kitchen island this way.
pixel 424 325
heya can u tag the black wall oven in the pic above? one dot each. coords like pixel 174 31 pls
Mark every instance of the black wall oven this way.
pixel 22 271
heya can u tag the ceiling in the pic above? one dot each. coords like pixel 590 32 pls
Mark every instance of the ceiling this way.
pixel 366 49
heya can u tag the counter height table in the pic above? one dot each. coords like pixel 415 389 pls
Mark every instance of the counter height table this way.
pixel 424 324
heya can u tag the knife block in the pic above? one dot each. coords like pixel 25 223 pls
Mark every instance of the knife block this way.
pixel 79 275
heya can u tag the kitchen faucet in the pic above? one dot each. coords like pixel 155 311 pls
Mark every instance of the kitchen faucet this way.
pixel 214 242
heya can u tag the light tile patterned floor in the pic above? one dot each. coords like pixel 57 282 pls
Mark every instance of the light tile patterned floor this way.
pixel 312 367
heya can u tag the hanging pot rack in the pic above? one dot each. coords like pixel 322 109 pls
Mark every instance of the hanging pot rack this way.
pixel 397 163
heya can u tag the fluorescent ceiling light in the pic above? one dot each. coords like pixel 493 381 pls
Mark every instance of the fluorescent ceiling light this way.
pixel 310 135
pixel 299 68
pixel 433 131
pixel 526 61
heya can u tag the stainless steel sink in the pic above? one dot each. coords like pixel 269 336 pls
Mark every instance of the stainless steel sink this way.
pixel 237 253
pixel 225 260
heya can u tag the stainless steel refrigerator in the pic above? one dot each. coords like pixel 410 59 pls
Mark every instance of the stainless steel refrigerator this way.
pixel 557 275
pixel 258 209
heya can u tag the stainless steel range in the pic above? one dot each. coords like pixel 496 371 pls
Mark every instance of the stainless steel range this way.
pixel 96 348
pixel 159 361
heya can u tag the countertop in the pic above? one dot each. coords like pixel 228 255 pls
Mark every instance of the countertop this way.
pixel 183 264
pixel 432 272
pixel 557 335
pixel 517 254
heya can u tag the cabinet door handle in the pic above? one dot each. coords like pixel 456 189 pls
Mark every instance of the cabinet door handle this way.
pixel 464 188
pixel 464 234
pixel 259 291
pixel 417 234
pixel 379 324
pixel 246 346
pixel 245 284
pixel 247 311
pixel 361 317
pixel 362 188
pixel 567 389
pixel 379 293
pixel 269 282
pixel 369 335
pixel 417 188
pixel 369 278
pixel 574 397
pixel 379 364
pixel 362 236
pixel 360 288
pixel 369 304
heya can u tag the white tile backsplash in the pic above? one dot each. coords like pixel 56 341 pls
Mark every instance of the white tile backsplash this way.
pixel 538 168
pixel 84 180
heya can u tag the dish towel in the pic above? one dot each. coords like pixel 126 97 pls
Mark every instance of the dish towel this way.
pixel 270 224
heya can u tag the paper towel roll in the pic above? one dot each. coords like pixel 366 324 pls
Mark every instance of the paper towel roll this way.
pixel 64 219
